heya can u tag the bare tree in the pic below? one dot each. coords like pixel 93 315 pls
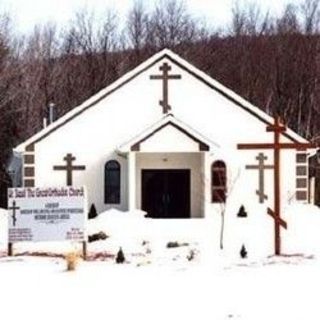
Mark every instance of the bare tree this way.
pixel 171 24
pixel 137 27
pixel 239 20
pixel 249 20
pixel 288 23
pixel 311 16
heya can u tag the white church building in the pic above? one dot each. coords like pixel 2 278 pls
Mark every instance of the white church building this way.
pixel 165 138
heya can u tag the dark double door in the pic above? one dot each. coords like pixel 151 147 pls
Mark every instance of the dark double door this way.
pixel 166 193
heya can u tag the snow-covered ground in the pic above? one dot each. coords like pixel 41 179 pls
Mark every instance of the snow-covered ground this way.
pixel 275 288
pixel 160 282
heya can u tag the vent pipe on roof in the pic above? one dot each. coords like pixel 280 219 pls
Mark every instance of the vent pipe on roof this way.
pixel 50 115
pixel 51 112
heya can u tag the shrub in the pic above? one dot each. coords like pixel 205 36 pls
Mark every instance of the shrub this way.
pixel 191 255
pixel 120 258
pixel 72 260
pixel 242 213
pixel 243 252
pixel 92 212
pixel 176 244
pixel 97 236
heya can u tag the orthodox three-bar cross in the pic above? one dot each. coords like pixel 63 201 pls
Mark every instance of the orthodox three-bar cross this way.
pixel 261 167
pixel 165 77
pixel 277 128
pixel 14 207
pixel 69 167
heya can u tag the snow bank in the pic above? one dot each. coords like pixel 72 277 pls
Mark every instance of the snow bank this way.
pixel 143 237
pixel 138 235
pixel 142 240
pixel 117 223
pixel 124 229
pixel 255 232
pixel 303 233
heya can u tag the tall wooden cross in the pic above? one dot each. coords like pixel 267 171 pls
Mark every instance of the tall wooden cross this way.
pixel 261 167
pixel 69 167
pixel 165 77
pixel 14 207
pixel 277 128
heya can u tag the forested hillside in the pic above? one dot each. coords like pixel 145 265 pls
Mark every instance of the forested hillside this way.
pixel 274 62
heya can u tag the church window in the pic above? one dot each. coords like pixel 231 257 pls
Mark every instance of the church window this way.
pixel 218 182
pixel 112 182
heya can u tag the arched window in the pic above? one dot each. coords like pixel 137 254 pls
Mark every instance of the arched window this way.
pixel 218 182
pixel 112 182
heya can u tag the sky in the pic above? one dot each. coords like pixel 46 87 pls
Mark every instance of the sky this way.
pixel 27 13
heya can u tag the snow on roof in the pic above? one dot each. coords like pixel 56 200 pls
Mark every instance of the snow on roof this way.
pixel 165 53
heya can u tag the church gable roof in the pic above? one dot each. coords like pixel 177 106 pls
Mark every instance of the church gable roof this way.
pixel 175 59
pixel 168 121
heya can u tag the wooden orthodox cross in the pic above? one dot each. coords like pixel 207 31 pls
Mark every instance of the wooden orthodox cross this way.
pixel 14 208
pixel 277 128
pixel 69 167
pixel 165 77
pixel 261 167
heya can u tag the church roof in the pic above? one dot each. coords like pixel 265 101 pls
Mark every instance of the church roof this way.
pixel 166 121
pixel 175 59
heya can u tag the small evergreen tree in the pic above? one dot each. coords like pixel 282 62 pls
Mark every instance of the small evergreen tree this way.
pixel 242 212
pixel 92 212
pixel 243 252
pixel 120 258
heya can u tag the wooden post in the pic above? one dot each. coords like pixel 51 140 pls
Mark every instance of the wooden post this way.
pixel 277 189
pixel 84 250
pixel 10 249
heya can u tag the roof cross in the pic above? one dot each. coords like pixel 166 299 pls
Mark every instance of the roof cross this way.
pixel 165 77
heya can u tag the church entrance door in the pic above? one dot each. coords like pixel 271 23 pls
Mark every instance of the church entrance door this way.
pixel 166 193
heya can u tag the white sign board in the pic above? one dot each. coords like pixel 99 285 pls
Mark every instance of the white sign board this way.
pixel 46 214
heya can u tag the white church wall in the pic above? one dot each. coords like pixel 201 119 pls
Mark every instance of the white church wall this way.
pixel 169 139
pixel 212 114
